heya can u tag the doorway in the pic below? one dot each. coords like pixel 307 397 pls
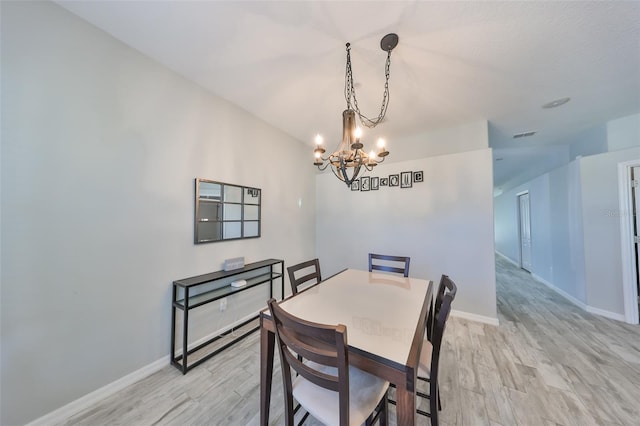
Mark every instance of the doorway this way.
pixel 524 230
pixel 635 214
pixel 629 213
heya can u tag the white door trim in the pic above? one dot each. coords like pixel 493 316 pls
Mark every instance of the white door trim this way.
pixel 520 224
pixel 630 289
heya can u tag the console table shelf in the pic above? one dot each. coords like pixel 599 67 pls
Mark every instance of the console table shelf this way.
pixel 184 299
pixel 219 293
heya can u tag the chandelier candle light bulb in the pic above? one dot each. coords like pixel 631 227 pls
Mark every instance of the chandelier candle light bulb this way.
pixel 357 134
pixel 382 152
pixel 372 156
pixel 318 151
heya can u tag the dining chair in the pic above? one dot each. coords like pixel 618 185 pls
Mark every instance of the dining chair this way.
pixel 385 265
pixel 430 353
pixel 327 387
pixel 435 307
pixel 297 282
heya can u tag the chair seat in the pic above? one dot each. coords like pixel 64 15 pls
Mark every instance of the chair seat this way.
pixel 365 392
pixel 424 368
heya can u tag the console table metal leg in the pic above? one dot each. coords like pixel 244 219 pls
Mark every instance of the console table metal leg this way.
pixel 173 325
pixel 282 280
pixel 185 330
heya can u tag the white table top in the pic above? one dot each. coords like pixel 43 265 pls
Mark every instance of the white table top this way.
pixel 381 311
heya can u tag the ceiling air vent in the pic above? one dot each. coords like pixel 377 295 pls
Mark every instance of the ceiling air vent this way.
pixel 556 103
pixel 523 135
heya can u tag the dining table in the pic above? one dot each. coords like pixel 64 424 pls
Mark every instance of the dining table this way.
pixel 385 316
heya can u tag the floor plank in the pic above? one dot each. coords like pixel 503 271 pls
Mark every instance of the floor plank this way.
pixel 548 363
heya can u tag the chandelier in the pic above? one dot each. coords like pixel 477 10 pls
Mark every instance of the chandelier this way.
pixel 350 159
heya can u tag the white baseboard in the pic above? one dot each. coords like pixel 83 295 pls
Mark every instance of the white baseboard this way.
pixel 475 317
pixel 508 259
pixel 561 292
pixel 74 407
pixel 580 304
pixel 82 403
pixel 606 314
pixel 574 300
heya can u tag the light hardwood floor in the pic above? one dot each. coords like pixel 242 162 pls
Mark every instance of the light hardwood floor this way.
pixel 548 363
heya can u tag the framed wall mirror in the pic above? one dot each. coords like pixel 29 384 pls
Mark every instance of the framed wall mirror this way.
pixel 225 212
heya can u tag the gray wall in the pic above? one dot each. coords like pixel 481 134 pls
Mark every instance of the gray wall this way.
pixel 506 209
pixel 602 246
pixel 445 224
pixel 444 141
pixel 553 221
pixel 591 142
pixel 100 148
pixel 623 133
pixel 567 262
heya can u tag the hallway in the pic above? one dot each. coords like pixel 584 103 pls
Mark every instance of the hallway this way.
pixel 549 362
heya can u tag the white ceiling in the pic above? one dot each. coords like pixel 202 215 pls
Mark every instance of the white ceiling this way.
pixel 456 62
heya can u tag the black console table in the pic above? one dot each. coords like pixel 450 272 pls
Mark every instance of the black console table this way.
pixel 187 296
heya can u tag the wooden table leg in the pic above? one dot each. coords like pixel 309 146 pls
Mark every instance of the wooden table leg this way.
pixel 405 406
pixel 267 346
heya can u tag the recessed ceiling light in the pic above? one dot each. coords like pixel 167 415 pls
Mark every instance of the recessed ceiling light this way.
pixel 523 135
pixel 556 103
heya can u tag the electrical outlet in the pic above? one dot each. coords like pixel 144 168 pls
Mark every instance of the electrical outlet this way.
pixel 223 304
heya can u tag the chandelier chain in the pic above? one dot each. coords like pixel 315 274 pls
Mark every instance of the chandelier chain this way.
pixel 350 92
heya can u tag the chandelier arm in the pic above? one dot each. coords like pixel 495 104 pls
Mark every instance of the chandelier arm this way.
pixel 322 169
pixel 356 171
pixel 343 169
pixel 333 169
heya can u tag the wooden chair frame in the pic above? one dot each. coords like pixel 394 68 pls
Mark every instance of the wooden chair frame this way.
pixel 436 322
pixel 319 343
pixel 445 284
pixel 434 390
pixel 297 282
pixel 405 259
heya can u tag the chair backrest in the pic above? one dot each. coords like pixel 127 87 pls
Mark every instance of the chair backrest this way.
pixel 319 343
pixel 404 270
pixel 438 332
pixel 446 286
pixel 296 282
